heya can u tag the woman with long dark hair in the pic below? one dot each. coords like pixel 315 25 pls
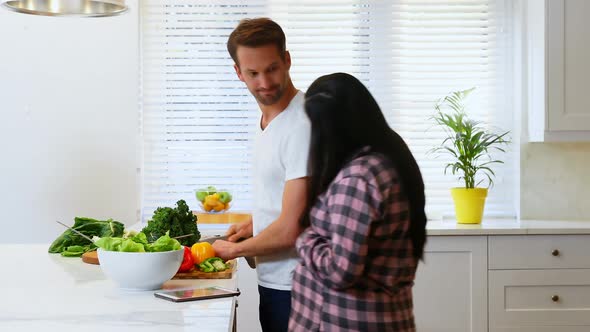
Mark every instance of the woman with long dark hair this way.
pixel 366 222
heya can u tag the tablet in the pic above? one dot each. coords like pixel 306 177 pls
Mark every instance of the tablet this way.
pixel 196 294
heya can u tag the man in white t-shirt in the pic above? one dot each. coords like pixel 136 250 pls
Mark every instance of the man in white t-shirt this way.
pixel 262 62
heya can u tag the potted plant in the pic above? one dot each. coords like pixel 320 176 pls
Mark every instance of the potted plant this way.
pixel 469 143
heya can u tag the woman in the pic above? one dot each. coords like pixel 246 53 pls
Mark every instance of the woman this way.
pixel 366 221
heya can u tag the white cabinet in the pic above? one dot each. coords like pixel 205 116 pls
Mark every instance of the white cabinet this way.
pixel 557 53
pixel 568 68
pixel 539 283
pixel 539 252
pixel 539 300
pixel 249 299
pixel 450 290
pixel 504 283
pixel 480 283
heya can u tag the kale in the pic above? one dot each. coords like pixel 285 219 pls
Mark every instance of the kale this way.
pixel 179 221
pixel 89 227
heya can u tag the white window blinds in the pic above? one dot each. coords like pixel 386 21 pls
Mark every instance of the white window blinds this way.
pixel 198 118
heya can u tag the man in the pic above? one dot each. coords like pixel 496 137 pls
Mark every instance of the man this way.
pixel 262 62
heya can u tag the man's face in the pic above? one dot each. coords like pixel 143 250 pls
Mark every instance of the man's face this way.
pixel 263 70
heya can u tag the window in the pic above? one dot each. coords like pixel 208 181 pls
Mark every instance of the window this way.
pixel 198 118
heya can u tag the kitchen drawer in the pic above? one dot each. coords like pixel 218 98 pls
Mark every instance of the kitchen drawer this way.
pixel 539 252
pixel 529 298
pixel 541 329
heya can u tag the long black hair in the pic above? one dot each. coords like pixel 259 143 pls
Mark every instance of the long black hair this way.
pixel 346 118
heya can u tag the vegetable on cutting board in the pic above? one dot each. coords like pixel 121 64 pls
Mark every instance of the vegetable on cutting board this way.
pixel 187 261
pixel 203 256
pixel 201 251
pixel 213 264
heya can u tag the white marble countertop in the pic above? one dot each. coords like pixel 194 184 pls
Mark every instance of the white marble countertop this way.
pixel 507 227
pixel 47 292
pixel 487 227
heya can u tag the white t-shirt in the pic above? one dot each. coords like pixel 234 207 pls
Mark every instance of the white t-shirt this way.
pixel 280 154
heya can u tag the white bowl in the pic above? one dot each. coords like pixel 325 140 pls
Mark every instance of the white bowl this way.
pixel 140 270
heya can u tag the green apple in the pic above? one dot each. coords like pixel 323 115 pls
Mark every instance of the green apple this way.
pixel 212 190
pixel 224 197
pixel 201 194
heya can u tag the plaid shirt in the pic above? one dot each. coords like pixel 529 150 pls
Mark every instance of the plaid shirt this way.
pixel 357 268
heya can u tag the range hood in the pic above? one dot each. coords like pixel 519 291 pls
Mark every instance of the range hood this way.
pixel 68 8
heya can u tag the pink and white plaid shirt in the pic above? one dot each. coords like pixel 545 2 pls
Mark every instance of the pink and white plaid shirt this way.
pixel 357 267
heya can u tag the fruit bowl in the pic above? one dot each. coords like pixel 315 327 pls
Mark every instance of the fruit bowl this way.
pixel 212 200
pixel 213 211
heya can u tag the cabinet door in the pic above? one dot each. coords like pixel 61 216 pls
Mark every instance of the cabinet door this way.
pixel 248 300
pixel 541 329
pixel 520 252
pixel 450 291
pixel 568 68
pixel 527 300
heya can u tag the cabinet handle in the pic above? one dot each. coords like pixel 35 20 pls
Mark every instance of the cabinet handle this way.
pixel 555 252
pixel 555 298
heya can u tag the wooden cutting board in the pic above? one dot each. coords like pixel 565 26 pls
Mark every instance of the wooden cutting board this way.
pixel 198 274
pixel 90 257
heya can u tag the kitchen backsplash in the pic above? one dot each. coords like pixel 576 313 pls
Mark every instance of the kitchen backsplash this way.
pixel 555 181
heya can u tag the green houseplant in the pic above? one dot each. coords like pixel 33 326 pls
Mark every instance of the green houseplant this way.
pixel 469 143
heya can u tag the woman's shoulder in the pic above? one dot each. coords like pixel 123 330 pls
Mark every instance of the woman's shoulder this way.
pixel 374 167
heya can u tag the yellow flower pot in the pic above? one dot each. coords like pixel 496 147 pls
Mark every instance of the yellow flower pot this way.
pixel 469 204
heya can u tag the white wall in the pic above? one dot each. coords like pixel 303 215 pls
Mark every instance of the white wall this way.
pixel 555 181
pixel 68 122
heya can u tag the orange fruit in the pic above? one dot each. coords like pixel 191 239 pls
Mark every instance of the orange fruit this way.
pixel 201 251
pixel 211 200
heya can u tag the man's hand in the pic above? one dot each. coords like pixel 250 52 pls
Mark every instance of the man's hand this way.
pixel 280 235
pixel 224 249
pixel 239 231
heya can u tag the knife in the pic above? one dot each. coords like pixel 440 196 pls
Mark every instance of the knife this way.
pixel 75 231
pixel 213 238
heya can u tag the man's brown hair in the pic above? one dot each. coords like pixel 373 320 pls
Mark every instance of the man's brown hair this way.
pixel 254 33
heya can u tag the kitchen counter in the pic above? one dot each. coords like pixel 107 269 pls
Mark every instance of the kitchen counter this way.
pixel 507 227
pixel 451 227
pixel 48 292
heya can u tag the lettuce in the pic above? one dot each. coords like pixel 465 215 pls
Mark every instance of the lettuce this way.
pixel 138 243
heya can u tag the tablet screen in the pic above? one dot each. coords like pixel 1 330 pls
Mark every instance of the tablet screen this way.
pixel 197 294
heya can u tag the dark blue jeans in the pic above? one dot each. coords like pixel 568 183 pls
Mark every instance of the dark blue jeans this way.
pixel 274 309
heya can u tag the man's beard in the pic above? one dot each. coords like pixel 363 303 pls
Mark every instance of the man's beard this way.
pixel 270 99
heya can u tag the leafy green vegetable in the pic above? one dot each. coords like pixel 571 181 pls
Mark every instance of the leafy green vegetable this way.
pixel 213 264
pixel 119 244
pixel 109 243
pixel 140 238
pixel 178 221
pixel 128 245
pixel 74 251
pixel 89 227
pixel 164 243
pixel 138 244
